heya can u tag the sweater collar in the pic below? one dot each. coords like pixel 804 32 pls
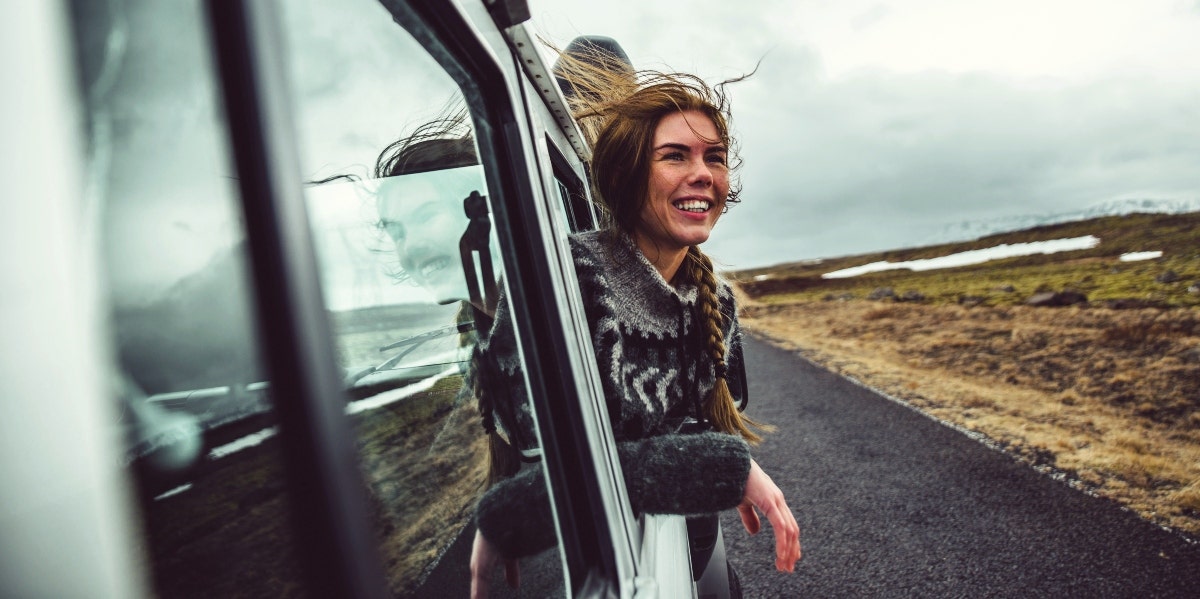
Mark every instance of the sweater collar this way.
pixel 631 273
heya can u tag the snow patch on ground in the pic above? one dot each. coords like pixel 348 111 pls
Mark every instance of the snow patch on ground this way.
pixel 174 492
pixel 1136 256
pixel 1004 250
pixel 387 397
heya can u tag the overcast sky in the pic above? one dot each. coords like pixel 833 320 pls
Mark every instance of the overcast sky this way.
pixel 872 125
pixel 868 125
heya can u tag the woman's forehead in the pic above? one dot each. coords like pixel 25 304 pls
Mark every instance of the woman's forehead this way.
pixel 690 127
pixel 406 192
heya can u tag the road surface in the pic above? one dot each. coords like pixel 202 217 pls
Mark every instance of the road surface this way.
pixel 893 504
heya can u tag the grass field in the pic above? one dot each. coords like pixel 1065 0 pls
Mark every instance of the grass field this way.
pixel 1106 392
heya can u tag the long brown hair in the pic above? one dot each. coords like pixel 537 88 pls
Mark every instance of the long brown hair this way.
pixel 619 110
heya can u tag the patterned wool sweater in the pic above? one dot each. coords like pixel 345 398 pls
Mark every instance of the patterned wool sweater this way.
pixel 655 371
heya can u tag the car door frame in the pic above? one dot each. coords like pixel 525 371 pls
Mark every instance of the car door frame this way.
pixel 336 546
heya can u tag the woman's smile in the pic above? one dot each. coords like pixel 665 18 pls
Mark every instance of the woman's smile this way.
pixel 433 266
pixel 692 207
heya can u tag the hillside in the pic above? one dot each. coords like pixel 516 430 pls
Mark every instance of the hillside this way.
pixel 1104 392
pixel 981 228
pixel 200 333
pixel 1096 272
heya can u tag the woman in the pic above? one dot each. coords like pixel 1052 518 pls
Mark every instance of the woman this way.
pixel 663 326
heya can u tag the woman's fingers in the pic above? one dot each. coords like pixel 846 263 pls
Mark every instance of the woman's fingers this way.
pixel 484 558
pixel 749 517
pixel 787 536
pixel 762 493
pixel 512 573
pixel 482 561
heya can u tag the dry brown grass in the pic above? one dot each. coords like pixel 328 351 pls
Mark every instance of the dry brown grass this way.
pixel 1112 398
pixel 425 463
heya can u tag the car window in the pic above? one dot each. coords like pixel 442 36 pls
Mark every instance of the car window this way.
pixel 569 189
pixel 196 413
pixel 410 272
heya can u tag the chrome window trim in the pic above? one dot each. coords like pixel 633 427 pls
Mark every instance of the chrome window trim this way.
pixel 524 44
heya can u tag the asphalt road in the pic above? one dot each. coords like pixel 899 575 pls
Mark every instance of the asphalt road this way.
pixel 893 504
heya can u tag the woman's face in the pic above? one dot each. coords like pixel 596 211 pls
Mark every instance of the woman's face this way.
pixel 425 222
pixel 688 183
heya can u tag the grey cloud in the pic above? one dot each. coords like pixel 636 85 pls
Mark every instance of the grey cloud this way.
pixel 880 160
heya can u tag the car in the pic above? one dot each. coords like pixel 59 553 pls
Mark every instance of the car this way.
pixel 240 317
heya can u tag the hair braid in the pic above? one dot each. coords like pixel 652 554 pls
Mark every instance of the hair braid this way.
pixel 719 409
pixel 503 458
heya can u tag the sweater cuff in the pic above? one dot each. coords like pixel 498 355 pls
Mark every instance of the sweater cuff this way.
pixel 514 515
pixel 667 474
pixel 685 474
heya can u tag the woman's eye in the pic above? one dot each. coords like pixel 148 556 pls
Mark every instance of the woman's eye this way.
pixel 673 156
pixel 716 158
pixel 395 231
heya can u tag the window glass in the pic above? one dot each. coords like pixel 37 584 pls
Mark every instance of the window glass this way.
pixel 570 192
pixel 564 196
pixel 410 272
pixel 196 412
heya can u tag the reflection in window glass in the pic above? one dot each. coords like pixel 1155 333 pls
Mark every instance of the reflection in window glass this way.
pixel 410 272
pixel 196 411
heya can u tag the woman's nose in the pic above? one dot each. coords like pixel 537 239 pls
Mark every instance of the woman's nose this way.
pixel 701 174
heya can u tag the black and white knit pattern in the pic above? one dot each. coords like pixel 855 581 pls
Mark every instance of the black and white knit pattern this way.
pixel 656 370
pixel 648 336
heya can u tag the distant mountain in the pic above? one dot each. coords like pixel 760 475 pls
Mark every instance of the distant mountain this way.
pixel 199 333
pixel 968 230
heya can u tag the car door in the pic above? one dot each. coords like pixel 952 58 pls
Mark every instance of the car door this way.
pixel 289 410
pixel 578 459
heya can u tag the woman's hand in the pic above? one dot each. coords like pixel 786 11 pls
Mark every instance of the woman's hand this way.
pixel 762 493
pixel 484 558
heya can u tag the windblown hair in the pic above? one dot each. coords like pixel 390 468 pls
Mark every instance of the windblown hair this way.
pixel 618 110
pixel 442 143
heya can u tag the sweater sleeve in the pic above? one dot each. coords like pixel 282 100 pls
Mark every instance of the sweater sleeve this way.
pixel 665 474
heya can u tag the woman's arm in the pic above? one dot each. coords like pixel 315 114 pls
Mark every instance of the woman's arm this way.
pixel 666 474
pixel 514 517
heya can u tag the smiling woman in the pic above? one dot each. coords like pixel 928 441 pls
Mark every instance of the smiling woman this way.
pixel 424 179
pixel 663 328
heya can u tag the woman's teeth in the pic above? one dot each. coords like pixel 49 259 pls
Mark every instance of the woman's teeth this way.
pixel 693 205
pixel 434 265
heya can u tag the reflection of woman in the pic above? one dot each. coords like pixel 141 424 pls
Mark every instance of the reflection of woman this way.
pixel 664 328
pixel 423 215
pixel 424 179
